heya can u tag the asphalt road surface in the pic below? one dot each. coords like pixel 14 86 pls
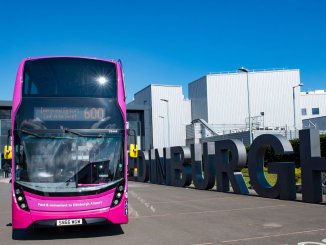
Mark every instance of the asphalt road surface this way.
pixel 171 215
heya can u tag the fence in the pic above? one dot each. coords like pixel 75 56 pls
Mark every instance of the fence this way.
pixel 196 132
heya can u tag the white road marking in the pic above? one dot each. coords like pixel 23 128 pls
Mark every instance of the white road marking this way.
pixel 209 211
pixel 132 212
pixel 207 243
pixel 276 235
pixel 313 243
pixel 272 225
pixel 143 201
pixel 193 200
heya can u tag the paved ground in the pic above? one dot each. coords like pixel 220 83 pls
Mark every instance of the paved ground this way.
pixel 170 215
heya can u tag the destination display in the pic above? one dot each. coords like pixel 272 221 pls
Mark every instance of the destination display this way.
pixel 69 113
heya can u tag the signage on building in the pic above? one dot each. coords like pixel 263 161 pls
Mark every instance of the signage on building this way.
pixel 220 163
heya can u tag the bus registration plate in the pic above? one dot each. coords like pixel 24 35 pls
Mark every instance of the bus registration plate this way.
pixel 69 222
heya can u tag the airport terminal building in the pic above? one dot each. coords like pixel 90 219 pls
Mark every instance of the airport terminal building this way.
pixel 217 108
pixel 222 99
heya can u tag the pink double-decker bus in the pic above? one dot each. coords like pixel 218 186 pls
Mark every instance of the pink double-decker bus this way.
pixel 69 143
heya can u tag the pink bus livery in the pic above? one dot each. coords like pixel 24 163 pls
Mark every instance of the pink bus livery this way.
pixel 69 164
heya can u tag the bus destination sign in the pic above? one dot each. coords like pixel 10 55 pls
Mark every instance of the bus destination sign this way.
pixel 69 113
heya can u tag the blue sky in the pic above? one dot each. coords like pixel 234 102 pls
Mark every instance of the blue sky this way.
pixel 168 42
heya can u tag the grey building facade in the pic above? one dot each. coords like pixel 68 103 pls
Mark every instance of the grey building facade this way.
pixel 5 125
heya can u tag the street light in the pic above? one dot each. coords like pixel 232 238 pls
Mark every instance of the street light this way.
pixel 249 115
pixel 167 118
pixel 163 118
pixel 293 95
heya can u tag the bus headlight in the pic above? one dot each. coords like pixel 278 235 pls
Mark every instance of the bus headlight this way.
pixel 117 195
pixel 20 198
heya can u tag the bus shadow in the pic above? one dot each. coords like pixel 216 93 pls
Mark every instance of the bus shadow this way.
pixel 67 232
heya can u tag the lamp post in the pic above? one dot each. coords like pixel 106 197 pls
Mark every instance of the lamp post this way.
pixel 248 94
pixel 293 96
pixel 163 118
pixel 167 118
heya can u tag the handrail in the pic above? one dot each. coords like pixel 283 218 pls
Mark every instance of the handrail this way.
pixel 205 124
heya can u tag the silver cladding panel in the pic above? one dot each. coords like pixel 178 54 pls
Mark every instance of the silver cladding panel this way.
pixel 174 115
pixel 309 101
pixel 171 116
pixel 270 92
pixel 198 96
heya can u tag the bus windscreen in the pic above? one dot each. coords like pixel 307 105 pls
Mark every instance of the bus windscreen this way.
pixel 63 163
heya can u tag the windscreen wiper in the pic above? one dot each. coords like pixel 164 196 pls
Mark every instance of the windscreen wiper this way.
pixel 25 131
pixel 108 131
pixel 67 130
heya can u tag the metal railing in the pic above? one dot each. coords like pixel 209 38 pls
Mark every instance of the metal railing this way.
pixel 254 70
pixel 199 129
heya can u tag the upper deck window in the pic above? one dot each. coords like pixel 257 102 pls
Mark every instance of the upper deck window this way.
pixel 69 77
